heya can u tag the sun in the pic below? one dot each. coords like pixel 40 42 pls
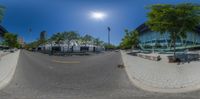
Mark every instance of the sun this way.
pixel 98 15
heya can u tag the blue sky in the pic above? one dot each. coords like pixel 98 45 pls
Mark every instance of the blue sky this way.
pixel 66 15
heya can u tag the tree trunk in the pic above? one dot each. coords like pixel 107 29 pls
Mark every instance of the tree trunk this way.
pixel 68 43
pixel 174 45
pixel 59 46
pixel 72 49
pixel 85 43
pixel 51 49
pixel 194 39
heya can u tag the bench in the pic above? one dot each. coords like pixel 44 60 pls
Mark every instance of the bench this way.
pixel 150 57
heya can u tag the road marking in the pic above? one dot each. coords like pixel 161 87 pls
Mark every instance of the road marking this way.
pixel 66 62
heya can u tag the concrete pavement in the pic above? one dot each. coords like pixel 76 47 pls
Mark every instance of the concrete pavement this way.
pixel 8 65
pixel 96 77
pixel 161 76
pixel 3 54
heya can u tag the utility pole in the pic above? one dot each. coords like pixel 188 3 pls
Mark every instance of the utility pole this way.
pixel 109 35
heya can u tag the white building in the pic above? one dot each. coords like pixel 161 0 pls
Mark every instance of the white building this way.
pixel 74 46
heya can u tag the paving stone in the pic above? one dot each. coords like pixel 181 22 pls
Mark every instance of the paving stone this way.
pixel 161 74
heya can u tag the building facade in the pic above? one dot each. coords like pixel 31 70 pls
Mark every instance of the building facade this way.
pixel 43 35
pixel 21 41
pixel 153 40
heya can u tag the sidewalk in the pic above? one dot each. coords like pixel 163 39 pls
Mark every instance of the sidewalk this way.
pixel 161 76
pixel 3 54
pixel 8 65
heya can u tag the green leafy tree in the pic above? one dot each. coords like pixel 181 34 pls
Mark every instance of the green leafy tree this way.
pixel 125 44
pixel 69 36
pixel 86 39
pixel 58 38
pixel 130 40
pixel 41 41
pixel 97 42
pixel 2 9
pixel 11 40
pixel 109 46
pixel 36 44
pixel 32 45
pixel 134 38
pixel 51 40
pixel 176 20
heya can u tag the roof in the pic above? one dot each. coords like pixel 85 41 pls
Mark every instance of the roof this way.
pixel 144 28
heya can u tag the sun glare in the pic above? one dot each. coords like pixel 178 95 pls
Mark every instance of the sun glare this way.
pixel 98 15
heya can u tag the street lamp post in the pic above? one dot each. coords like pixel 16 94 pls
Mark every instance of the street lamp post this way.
pixel 109 35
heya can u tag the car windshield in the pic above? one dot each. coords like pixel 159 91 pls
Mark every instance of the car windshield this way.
pixel 99 49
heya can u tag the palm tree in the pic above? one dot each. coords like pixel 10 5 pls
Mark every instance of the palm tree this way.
pixel 69 36
pixel 86 39
pixel 57 38
pixel 97 41
pixel 50 40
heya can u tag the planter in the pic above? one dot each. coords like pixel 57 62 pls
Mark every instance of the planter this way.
pixel 172 59
pixel 150 57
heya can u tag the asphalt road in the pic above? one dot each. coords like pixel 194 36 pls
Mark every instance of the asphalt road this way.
pixel 39 76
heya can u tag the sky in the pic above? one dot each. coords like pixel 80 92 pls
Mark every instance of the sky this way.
pixel 75 15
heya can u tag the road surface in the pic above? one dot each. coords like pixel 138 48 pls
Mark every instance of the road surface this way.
pixel 40 76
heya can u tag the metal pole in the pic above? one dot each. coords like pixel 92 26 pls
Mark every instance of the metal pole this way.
pixel 109 35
